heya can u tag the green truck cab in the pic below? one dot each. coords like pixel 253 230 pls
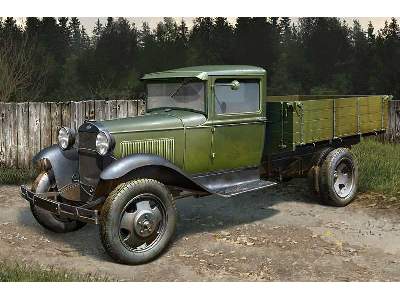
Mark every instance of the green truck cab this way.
pixel 207 130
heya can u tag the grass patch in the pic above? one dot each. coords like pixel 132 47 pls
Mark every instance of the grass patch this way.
pixel 16 176
pixel 379 166
pixel 12 272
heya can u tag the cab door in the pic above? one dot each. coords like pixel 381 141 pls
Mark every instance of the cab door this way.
pixel 238 122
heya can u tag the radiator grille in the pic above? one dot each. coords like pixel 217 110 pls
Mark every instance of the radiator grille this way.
pixel 164 147
pixel 87 140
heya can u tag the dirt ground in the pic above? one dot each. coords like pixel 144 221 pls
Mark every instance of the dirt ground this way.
pixel 279 234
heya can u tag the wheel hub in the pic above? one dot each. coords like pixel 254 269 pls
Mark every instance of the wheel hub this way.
pixel 343 179
pixel 145 223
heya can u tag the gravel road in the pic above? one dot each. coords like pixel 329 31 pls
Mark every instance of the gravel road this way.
pixel 279 234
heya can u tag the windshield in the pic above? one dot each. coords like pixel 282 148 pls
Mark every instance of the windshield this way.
pixel 183 94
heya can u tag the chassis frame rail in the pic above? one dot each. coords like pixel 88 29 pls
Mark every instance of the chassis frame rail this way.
pixel 61 209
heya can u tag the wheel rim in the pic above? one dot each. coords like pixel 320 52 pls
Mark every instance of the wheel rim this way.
pixel 343 181
pixel 142 223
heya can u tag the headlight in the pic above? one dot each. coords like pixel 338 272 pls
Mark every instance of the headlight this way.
pixel 66 138
pixel 103 143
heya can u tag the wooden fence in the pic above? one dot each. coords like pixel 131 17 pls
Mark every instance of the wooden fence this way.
pixel 393 131
pixel 27 127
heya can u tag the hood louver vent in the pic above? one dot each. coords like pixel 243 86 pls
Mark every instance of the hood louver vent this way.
pixel 164 147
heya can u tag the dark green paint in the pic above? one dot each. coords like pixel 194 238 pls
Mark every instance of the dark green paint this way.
pixel 210 142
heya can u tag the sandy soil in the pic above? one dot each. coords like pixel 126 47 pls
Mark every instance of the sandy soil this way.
pixel 279 234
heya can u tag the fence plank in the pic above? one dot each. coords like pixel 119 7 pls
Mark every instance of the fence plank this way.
pixel 2 133
pixel 45 124
pixel 89 110
pixel 111 109
pixel 122 108
pixel 23 135
pixel 141 107
pixel 66 114
pixel 7 133
pixel 99 108
pixel 34 129
pixel 132 108
pixel 55 121
pixel 73 121
pixel 80 113
pixel 13 135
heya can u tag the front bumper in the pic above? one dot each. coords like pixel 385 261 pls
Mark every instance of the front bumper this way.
pixel 48 202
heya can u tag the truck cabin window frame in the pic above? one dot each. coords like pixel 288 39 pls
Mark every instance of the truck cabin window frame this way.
pixel 186 94
pixel 244 99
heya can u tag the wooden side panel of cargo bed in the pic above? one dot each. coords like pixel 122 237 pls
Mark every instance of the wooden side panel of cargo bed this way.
pixel 373 113
pixel 313 121
pixel 292 123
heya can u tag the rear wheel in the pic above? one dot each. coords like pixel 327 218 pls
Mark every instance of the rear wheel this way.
pixel 138 220
pixel 42 184
pixel 339 178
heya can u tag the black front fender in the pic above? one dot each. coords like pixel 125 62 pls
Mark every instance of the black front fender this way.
pixel 150 166
pixel 64 163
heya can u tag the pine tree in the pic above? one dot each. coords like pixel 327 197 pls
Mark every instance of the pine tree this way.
pixel 75 33
pixel 97 31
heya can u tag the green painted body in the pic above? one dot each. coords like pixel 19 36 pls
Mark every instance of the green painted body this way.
pixel 203 143
pixel 299 120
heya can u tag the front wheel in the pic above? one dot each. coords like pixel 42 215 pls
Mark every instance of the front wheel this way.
pixel 339 177
pixel 138 220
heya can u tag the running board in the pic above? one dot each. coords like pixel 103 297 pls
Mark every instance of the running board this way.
pixel 244 187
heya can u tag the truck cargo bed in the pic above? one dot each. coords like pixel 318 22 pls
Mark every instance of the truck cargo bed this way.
pixel 300 120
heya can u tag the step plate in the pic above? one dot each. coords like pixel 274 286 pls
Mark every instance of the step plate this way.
pixel 244 187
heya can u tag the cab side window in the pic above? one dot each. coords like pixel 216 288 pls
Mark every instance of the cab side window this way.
pixel 237 96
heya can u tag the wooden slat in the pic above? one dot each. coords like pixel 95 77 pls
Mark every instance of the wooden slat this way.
pixel 141 107
pixel 89 110
pixel 45 124
pixel 7 133
pixel 111 109
pixel 73 121
pixel 55 121
pixel 2 133
pixel 132 108
pixel 122 108
pixel 66 114
pixel 23 134
pixel 80 113
pixel 13 135
pixel 99 108
pixel 34 129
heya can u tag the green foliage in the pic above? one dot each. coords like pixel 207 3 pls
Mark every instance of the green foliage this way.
pixel 313 55
pixel 13 272
pixel 16 176
pixel 379 166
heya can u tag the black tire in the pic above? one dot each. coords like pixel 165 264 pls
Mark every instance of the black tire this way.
pixel 42 184
pixel 339 178
pixel 121 201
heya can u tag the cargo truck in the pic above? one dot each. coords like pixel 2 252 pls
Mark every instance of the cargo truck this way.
pixel 207 130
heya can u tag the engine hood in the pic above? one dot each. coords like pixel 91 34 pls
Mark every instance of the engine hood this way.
pixel 155 120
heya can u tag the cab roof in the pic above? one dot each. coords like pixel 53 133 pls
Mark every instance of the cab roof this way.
pixel 202 72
